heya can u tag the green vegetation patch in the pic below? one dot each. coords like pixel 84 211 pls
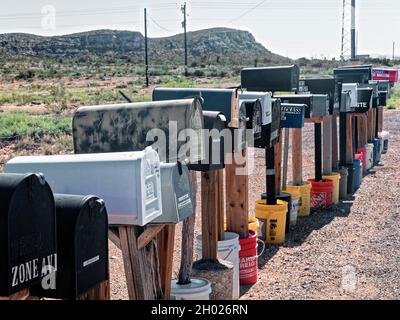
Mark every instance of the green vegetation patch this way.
pixel 394 101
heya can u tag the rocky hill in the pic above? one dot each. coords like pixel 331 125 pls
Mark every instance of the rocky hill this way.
pixel 220 44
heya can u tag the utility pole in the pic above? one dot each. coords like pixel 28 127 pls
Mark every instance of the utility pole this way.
pixel 183 8
pixel 353 30
pixel 145 48
pixel 394 44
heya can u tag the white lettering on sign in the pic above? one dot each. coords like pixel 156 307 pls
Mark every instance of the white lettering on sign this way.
pixel 90 261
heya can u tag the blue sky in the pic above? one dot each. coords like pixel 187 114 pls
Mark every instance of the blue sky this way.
pixel 294 28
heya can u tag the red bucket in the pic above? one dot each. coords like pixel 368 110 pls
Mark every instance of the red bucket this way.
pixel 363 152
pixel 321 193
pixel 248 259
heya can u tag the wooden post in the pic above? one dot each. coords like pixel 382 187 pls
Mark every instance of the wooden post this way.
pixel 210 205
pixel 318 151
pixel 237 202
pixel 21 295
pixel 99 292
pixel 285 159
pixel 278 164
pixel 335 144
pixel 327 145
pixel 221 205
pixel 297 156
pixel 165 244
pixel 374 123
pixel 188 239
pixel 380 119
pixel 371 133
pixel 349 139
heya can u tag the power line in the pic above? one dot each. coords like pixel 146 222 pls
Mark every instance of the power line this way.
pixel 248 11
pixel 158 25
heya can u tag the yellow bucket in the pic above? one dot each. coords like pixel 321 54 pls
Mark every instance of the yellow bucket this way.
pixel 336 185
pixel 272 221
pixel 294 210
pixel 253 224
pixel 305 195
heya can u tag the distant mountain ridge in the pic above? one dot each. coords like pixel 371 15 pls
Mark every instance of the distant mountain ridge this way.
pixel 204 45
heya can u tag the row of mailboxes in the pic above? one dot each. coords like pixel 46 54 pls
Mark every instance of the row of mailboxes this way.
pixel 317 105
pixel 135 126
pixel 329 86
pixel 128 182
pixel 353 74
pixel 27 231
pixel 271 79
pixel 82 247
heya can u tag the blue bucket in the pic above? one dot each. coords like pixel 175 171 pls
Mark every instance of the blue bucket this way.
pixel 378 149
pixel 357 174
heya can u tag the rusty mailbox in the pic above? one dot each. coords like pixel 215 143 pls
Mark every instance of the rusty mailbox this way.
pixel 271 79
pixel 82 246
pixel 173 128
pixel 27 231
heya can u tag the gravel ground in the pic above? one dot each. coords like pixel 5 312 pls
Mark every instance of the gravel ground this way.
pixel 348 252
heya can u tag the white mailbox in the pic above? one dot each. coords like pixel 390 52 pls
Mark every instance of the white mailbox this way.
pixel 352 88
pixel 129 182
pixel 266 104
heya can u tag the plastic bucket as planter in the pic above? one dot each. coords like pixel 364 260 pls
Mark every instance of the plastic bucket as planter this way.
pixel 370 156
pixel 197 289
pixel 284 196
pixel 385 139
pixel 253 224
pixel 357 171
pixel 343 183
pixel 305 193
pixel 350 178
pixel 272 219
pixel 321 193
pixel 294 208
pixel 363 152
pixel 377 149
pixel 228 250
pixel 248 256
pixel 335 177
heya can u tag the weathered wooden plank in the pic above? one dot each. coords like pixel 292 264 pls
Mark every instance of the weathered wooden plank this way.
pixel 327 146
pixel 314 120
pixel 237 205
pixel 165 245
pixel 335 144
pixel 349 139
pixel 149 234
pixel 285 158
pixel 221 205
pixel 99 292
pixel 113 235
pixel 297 156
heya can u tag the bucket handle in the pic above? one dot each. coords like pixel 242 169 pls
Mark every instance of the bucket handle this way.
pixel 263 247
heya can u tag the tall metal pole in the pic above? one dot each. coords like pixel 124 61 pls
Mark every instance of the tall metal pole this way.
pixel 394 44
pixel 353 30
pixel 145 48
pixel 185 37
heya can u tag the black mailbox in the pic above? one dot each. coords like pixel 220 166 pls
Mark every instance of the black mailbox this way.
pixel 271 133
pixel 27 231
pixel 383 98
pixel 215 125
pixel 364 99
pixel 331 87
pixel 272 79
pixel 353 74
pixel 317 104
pixel 384 86
pixel 82 245
pixel 254 119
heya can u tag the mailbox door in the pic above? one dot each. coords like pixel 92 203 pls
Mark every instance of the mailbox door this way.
pixel 382 98
pixel 345 104
pixel 285 78
pixel 254 114
pixel 351 88
pixel 27 231
pixel 364 99
pixel 266 103
pixel 292 115
pixel 272 131
pixel 134 126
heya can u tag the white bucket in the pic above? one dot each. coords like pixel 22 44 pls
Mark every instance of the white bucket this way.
pixel 228 250
pixel 197 289
pixel 370 155
pixel 385 141
pixel 294 212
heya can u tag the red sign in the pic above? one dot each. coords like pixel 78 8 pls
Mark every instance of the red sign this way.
pixel 386 74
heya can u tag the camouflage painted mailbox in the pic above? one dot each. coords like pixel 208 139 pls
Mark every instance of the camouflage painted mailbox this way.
pixel 82 246
pixel 271 79
pixel 330 86
pixel 135 126
pixel 129 182
pixel 27 231
pixel 317 104
pixel 177 194
pixel 292 115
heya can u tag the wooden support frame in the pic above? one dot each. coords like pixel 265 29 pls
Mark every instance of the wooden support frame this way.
pixel 285 158
pixel 379 120
pixel 237 198
pixel 327 146
pixel 297 156
pixel 371 121
pixel 99 292
pixel 335 143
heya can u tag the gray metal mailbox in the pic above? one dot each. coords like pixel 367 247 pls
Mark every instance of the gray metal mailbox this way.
pixel 345 103
pixel 272 79
pixel 384 86
pixel 134 126
pixel 353 74
pixel 177 194
pixel 317 104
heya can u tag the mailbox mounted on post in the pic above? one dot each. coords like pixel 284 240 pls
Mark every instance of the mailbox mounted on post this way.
pixel 384 86
pixel 134 126
pixel 383 97
pixel 82 246
pixel 215 125
pixel 353 74
pixel 317 104
pixel 345 103
pixel 292 115
pixel 129 182
pixel 364 99
pixel 285 78
pixel 331 87
pixel 177 194
pixel 254 119
pixel 27 231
